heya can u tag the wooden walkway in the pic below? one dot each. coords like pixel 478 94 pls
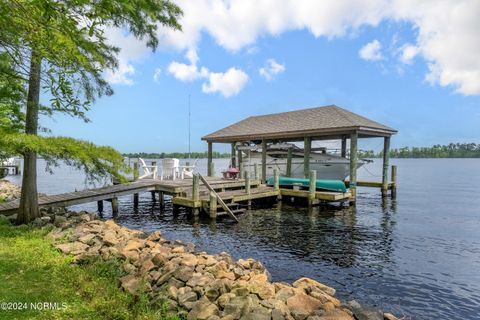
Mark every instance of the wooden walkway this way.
pixel 182 191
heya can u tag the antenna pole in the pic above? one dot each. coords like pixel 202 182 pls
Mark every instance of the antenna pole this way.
pixel 189 116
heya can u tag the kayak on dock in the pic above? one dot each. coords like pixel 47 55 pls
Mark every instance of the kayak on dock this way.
pixel 323 184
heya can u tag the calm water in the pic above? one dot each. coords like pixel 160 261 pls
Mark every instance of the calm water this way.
pixel 418 256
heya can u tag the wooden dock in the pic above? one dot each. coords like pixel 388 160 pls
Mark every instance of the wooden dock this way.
pixel 189 193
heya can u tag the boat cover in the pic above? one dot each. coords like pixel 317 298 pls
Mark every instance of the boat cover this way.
pixel 329 185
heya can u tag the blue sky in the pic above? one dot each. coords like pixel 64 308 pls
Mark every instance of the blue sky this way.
pixel 380 69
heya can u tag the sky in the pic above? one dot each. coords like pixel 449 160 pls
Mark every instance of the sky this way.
pixel 411 65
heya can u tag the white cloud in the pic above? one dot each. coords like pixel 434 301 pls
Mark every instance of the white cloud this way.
pixel 371 51
pixel 271 69
pixel 156 74
pixel 408 52
pixel 228 84
pixel 447 31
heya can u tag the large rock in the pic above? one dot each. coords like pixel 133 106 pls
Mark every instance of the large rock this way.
pixel 131 283
pixel 302 305
pixel 200 280
pixel 262 289
pixel 110 238
pixel 203 310
pixel 336 314
pixel 134 244
pixel 189 260
pixel 310 284
pixel 74 248
pixel 187 299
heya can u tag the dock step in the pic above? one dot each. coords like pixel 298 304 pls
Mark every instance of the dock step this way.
pixel 238 211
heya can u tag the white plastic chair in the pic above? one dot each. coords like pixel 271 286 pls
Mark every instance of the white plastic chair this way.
pixel 170 169
pixel 148 171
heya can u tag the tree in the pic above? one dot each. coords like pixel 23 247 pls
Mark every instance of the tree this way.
pixel 61 46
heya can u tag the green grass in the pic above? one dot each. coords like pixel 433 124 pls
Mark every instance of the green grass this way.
pixel 32 271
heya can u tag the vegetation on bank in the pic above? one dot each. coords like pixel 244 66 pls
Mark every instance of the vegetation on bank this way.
pixel 178 155
pixel 452 150
pixel 33 271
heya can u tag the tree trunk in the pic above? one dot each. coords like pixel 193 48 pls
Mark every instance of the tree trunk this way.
pixel 28 209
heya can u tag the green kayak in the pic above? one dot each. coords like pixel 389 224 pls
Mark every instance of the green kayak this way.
pixel 329 185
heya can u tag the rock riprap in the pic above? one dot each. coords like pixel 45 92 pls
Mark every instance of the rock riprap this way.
pixel 195 284
pixel 9 191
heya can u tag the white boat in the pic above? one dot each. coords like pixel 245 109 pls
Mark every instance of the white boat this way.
pixel 327 165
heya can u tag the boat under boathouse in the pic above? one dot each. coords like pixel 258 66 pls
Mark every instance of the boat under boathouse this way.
pixel 306 125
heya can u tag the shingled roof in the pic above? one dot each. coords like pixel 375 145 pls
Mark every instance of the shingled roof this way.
pixel 327 122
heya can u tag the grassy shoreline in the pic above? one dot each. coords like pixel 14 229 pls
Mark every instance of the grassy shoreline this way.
pixel 32 271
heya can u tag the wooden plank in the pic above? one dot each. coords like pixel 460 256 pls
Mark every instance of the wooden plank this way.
pixel 219 200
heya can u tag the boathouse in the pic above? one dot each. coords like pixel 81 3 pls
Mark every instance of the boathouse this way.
pixel 307 125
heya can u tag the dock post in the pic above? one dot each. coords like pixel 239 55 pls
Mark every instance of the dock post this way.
pixel 264 161
pixel 247 183
pixel 386 157
pixel 239 158
pixel 210 157
pixel 212 169
pixel 256 171
pixel 161 200
pixel 195 187
pixel 154 199
pixel 353 167
pixel 393 192
pixel 306 156
pixel 114 207
pixel 276 180
pixel 135 200
pixel 289 162
pixel 344 147
pixel 242 171
pixel 234 165
pixel 312 187
pixel 100 206
pixel 213 205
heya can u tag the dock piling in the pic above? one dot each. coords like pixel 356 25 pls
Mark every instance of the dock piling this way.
pixel 264 161
pixel 312 187
pixel 353 167
pixel 213 205
pixel 257 172
pixel 100 206
pixel 247 183
pixel 393 191
pixel 306 155
pixel 386 157
pixel 114 207
pixel 289 162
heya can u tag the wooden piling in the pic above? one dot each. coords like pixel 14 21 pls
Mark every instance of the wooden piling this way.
pixel 386 157
pixel 306 155
pixel 276 180
pixel 195 187
pixel 135 200
pixel 264 161
pixel 257 172
pixel 154 199
pixel 289 162
pixel 393 191
pixel 100 206
pixel 312 187
pixel 242 170
pixel 161 199
pixel 247 183
pixel 210 158
pixel 344 147
pixel 213 205
pixel 234 165
pixel 212 169
pixel 114 207
pixel 239 158
pixel 353 167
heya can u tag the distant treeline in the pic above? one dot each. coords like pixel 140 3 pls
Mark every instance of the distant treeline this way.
pixel 452 150
pixel 178 155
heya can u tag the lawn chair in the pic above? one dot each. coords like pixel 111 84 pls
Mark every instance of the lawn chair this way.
pixel 170 169
pixel 148 171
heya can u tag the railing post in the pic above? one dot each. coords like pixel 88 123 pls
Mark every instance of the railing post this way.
pixel 135 171
pixel 242 171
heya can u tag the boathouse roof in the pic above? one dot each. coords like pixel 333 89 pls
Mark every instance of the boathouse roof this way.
pixel 327 122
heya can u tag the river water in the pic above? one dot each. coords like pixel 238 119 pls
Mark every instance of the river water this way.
pixel 418 256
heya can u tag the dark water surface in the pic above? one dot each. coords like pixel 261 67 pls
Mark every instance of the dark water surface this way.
pixel 417 256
